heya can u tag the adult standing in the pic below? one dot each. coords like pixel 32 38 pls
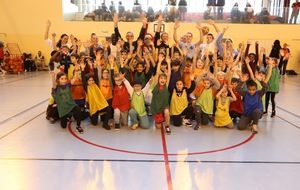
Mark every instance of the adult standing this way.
pixel 295 11
pixel 285 55
pixel 189 37
pixel 121 9
pixel 220 7
pixel 182 8
pixel 275 52
pixel 235 14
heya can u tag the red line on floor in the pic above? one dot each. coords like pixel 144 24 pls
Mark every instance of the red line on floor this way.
pixel 166 158
pixel 159 154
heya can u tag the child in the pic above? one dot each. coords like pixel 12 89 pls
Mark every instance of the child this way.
pixel 236 108
pixel 140 72
pixel 273 84
pixel 64 100
pixel 54 64
pixel 120 102
pixel 205 101
pixel 137 113
pixel 253 58
pixel 52 112
pixel 78 92
pixel 222 117
pixel 160 99
pixel 74 63
pixel 94 97
pixel 179 103
pixel 253 108
pixel 176 72
pixel 260 76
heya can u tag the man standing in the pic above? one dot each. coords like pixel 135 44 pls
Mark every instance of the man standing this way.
pixel 295 11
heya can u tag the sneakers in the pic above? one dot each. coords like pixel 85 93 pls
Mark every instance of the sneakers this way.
pixel 168 130
pixel 254 128
pixel 134 126
pixel 187 123
pixel 52 120
pixel 197 126
pixel 117 127
pixel 79 129
pixel 273 113
pixel 106 126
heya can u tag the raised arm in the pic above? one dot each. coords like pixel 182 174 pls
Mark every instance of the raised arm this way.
pixel 169 71
pixel 158 29
pixel 256 52
pixel 240 86
pixel 48 25
pixel 269 70
pixel 116 29
pixel 218 95
pixel 83 76
pixel 73 44
pixel 247 61
pixel 214 81
pixel 211 22
pixel 198 26
pixel 53 80
pixel 176 26
pixel 143 29
pixel 264 89
pixel 231 92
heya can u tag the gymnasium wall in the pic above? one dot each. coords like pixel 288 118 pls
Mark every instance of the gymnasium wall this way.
pixel 23 22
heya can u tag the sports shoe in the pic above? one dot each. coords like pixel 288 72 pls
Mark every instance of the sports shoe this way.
pixel 79 129
pixel 187 123
pixel 168 130
pixel 106 126
pixel 254 128
pixel 197 126
pixel 134 126
pixel 52 120
pixel 273 113
pixel 117 127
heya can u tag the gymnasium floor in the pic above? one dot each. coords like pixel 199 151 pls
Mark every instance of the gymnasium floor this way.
pixel 37 155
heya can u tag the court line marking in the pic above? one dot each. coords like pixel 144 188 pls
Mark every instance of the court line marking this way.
pixel 166 159
pixel 150 161
pixel 21 125
pixel 23 111
pixel 288 112
pixel 31 76
pixel 158 154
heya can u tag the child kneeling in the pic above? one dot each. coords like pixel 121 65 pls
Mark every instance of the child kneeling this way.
pixel 253 108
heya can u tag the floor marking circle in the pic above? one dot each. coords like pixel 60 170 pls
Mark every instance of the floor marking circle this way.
pixel 159 154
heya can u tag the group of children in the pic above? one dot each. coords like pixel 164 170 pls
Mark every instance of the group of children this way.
pixel 177 84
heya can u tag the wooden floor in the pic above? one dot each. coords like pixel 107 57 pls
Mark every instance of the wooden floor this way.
pixel 37 155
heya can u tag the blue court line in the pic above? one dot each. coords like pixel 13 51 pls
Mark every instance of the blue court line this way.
pixel 149 161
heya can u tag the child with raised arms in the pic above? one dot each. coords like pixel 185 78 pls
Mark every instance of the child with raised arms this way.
pixel 64 100
pixel 179 105
pixel 253 108
pixel 222 117
pixel 94 97
pixel 205 101
pixel 160 99
pixel 120 102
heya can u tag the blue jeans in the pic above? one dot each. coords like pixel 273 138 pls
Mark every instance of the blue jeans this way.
pixel 142 121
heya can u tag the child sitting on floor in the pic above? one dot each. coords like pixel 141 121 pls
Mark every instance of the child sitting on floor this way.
pixel 253 108
pixel 222 117
pixel 205 101
pixel 120 102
